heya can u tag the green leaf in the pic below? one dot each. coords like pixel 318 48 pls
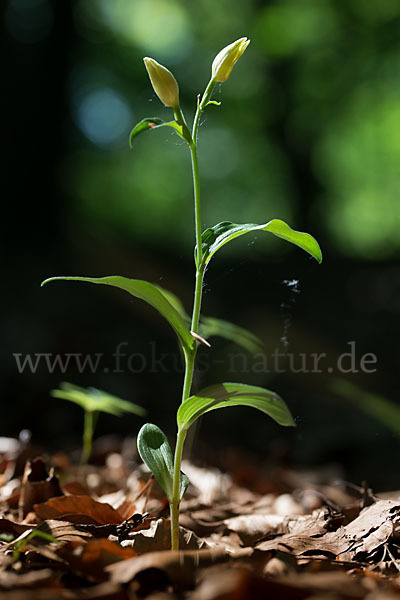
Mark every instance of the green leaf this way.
pixel 155 451
pixel 375 405
pixel 154 123
pixel 144 291
pixel 215 237
pixel 209 327
pixel 233 394
pixel 93 400
pixel 176 303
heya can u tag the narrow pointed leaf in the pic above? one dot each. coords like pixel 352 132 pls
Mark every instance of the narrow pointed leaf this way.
pixel 153 123
pixel 209 327
pixel 93 400
pixel 155 451
pixel 215 237
pixel 224 395
pixel 176 303
pixel 144 291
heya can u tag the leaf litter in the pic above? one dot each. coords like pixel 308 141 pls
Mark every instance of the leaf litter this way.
pixel 104 533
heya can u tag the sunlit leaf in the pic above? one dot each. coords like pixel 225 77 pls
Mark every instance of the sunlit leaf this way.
pixel 215 237
pixel 155 451
pixel 144 291
pixel 154 123
pixel 93 400
pixel 224 395
pixel 176 303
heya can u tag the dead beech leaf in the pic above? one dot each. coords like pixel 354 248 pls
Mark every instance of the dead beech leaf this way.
pixel 253 527
pixel 37 545
pixel 91 558
pixel 63 531
pixel 241 584
pixel 157 537
pixel 357 541
pixel 119 532
pixel 80 509
pixel 333 582
pixel 15 529
pixel 179 565
pixel 120 502
pixel 38 485
pixel 75 488
pixel 211 484
pixel 32 579
pixel 126 509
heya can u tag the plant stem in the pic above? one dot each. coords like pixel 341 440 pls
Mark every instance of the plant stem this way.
pixel 189 368
pixel 190 355
pixel 88 427
pixel 201 106
pixel 174 505
pixel 197 209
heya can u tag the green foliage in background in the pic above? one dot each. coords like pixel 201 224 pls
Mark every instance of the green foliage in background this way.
pixel 323 116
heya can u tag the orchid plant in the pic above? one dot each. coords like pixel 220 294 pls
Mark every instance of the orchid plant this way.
pixel 153 445
pixel 93 402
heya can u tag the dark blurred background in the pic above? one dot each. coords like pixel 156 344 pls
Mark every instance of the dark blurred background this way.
pixel 308 131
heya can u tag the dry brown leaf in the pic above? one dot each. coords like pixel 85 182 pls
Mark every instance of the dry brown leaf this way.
pixel 120 502
pixel 78 509
pixel 251 528
pixel 11 580
pixel 340 583
pixel 179 566
pixel 158 537
pixel 60 531
pixel 15 529
pixel 90 559
pixel 231 543
pixel 241 584
pixel 211 485
pixel 356 541
pixel 102 591
pixel 75 488
pixel 37 486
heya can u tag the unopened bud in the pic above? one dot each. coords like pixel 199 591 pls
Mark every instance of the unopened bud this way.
pixel 225 60
pixel 163 82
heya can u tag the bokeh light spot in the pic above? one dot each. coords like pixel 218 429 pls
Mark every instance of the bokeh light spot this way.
pixel 104 117
pixel 289 25
pixel 159 26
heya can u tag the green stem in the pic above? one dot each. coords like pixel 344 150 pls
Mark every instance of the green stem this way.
pixel 88 427
pixel 190 355
pixel 174 504
pixel 189 368
pixel 201 106
pixel 197 207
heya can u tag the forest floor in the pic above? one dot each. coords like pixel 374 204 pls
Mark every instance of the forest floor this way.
pixel 102 532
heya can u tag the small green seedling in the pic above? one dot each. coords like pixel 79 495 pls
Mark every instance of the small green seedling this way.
pixel 21 542
pixel 153 445
pixel 93 402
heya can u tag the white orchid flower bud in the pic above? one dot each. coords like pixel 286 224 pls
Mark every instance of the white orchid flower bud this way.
pixel 225 60
pixel 163 82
